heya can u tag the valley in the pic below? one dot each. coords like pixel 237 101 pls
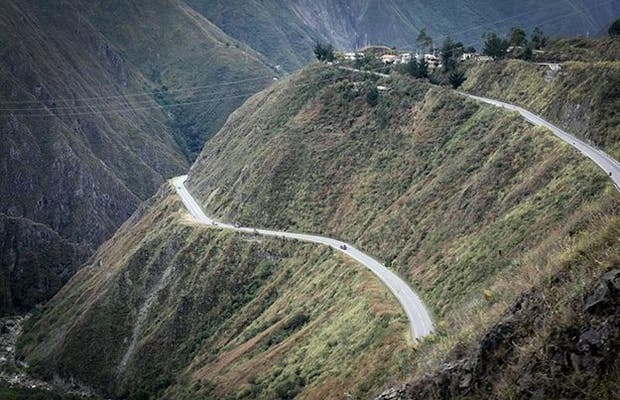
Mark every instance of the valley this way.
pixel 204 199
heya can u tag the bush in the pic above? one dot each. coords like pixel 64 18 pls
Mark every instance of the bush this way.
pixel 372 96
pixel 456 78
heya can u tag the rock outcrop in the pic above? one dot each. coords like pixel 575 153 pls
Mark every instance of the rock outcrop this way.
pixel 583 351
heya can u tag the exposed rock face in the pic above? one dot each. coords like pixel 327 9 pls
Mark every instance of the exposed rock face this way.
pixel 583 351
pixel 34 263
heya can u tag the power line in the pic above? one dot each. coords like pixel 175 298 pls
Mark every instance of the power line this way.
pixel 124 100
pixel 129 108
pixel 138 94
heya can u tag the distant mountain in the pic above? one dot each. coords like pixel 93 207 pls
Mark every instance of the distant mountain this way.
pixel 100 102
pixel 285 30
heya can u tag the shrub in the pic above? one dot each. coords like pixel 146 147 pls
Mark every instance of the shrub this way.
pixel 372 96
pixel 456 78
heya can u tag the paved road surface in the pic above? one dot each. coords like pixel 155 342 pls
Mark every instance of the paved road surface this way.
pixel 419 317
pixel 606 162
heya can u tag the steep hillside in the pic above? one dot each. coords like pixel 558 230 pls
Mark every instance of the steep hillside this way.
pixel 502 228
pixel 547 345
pixel 170 309
pixel 34 263
pixel 63 164
pixel 580 49
pixel 269 27
pixel 201 73
pixel 582 97
pixel 90 96
pixel 468 202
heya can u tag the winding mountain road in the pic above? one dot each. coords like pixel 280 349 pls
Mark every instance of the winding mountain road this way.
pixel 419 318
pixel 606 162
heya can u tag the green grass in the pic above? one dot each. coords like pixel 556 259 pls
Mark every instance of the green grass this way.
pixel 238 315
pixel 455 196
pixel 582 97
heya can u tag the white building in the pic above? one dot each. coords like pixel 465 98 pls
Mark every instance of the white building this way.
pixel 405 58
pixel 389 58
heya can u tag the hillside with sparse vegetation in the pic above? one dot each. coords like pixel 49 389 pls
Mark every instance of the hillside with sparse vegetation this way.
pixel 469 203
pixel 509 235
pixel 581 97
pixel 170 309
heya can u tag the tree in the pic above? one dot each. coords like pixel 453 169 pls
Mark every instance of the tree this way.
pixel 372 96
pixel 456 78
pixel 495 46
pixel 324 52
pixel 451 52
pixel 614 29
pixel 412 68
pixel 528 54
pixel 417 69
pixel 423 40
pixel 470 49
pixel 422 69
pixel 538 39
pixel 518 37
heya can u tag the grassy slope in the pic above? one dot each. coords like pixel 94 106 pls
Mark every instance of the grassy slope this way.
pixel 550 342
pixel 466 201
pixel 583 98
pixel 178 49
pixel 581 49
pixel 232 315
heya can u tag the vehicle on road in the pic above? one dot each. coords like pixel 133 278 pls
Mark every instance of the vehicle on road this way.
pixel 343 247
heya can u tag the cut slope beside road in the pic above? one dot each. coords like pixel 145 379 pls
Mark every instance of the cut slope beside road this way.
pixel 419 318
pixel 600 158
pixel 606 162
